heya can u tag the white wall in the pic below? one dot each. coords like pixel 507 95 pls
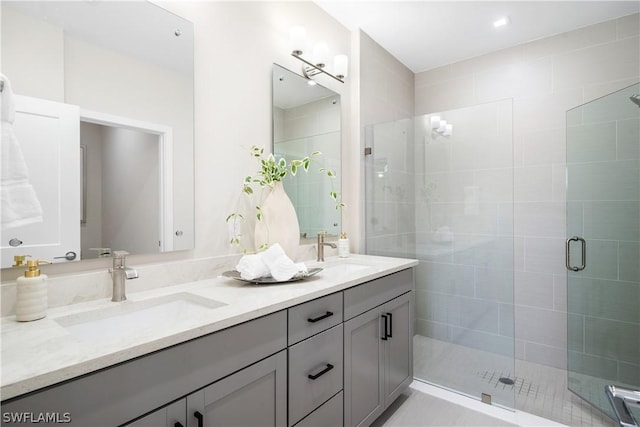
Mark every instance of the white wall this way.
pixel 236 44
pixel 545 78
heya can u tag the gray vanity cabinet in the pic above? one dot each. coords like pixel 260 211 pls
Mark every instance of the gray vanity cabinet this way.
pixel 122 393
pixel 377 347
pixel 255 396
pixel 173 415
pixel 338 359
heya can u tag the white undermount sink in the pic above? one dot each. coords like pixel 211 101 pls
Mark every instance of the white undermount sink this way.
pixel 343 267
pixel 131 318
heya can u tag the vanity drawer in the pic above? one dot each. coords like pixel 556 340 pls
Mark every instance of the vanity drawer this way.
pixel 315 372
pixel 313 317
pixel 364 297
pixel 329 414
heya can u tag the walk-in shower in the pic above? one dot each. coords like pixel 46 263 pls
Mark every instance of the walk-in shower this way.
pixel 446 198
pixel 449 201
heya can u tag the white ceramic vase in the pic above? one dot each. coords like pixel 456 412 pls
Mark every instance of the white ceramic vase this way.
pixel 279 222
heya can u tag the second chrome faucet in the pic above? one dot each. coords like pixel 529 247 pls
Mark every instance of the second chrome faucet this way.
pixel 322 244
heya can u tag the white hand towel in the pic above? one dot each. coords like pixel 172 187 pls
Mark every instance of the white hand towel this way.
pixel 20 204
pixel 252 267
pixel 280 265
pixel 7 106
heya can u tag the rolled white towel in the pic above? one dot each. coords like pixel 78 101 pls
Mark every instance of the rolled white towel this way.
pixel 252 267
pixel 280 265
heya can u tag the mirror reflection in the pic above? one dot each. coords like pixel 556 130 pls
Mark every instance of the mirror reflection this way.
pixel 103 96
pixel 307 118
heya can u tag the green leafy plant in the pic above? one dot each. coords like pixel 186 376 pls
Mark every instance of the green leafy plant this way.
pixel 333 194
pixel 270 172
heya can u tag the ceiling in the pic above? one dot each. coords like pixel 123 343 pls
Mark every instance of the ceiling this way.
pixel 428 34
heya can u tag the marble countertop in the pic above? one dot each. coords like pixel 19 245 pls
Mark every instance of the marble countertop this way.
pixel 43 352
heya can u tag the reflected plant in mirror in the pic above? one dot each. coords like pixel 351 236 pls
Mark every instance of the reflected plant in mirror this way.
pixel 108 88
pixel 307 118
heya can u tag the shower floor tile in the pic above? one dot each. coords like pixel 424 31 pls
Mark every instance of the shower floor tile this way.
pixel 539 390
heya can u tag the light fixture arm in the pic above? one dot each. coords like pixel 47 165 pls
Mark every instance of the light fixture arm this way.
pixel 313 69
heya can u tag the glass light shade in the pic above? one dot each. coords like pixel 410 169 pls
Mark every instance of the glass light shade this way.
pixel 298 36
pixel 341 65
pixel 448 130
pixel 320 54
pixel 435 122
pixel 443 126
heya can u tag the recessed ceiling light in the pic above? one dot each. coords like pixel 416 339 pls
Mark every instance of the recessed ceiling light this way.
pixel 501 22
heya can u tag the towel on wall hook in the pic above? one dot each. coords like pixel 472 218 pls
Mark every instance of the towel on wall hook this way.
pixel 20 204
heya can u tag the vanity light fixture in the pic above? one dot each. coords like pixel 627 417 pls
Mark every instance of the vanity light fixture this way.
pixel 441 127
pixel 317 65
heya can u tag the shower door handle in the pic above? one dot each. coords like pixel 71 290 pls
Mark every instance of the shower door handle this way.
pixel 568 253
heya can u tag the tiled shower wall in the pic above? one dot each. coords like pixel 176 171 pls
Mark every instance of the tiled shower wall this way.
pixel 464 228
pixel 545 78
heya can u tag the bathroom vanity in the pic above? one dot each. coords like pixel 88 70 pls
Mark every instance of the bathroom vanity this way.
pixel 333 349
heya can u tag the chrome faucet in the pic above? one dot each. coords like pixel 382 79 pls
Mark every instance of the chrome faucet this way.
pixel 119 273
pixel 321 245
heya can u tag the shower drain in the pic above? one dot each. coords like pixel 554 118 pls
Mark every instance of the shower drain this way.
pixel 519 385
pixel 506 380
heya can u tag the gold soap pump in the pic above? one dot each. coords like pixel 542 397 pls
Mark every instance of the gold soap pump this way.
pixel 31 296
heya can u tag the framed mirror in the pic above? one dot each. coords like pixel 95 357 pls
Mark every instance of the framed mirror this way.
pixel 103 96
pixel 307 118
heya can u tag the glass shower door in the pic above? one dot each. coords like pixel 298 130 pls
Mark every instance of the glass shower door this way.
pixel 443 194
pixel 603 249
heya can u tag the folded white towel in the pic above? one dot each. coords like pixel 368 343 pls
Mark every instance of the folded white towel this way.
pixel 280 265
pixel 252 267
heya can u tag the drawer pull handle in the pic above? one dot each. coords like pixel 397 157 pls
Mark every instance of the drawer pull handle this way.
pixel 390 334
pixel 321 373
pixel 199 417
pixel 317 319
pixel 384 327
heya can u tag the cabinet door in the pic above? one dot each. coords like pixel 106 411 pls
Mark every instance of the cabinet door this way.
pixel 363 369
pixel 254 396
pixel 49 136
pixel 398 349
pixel 172 415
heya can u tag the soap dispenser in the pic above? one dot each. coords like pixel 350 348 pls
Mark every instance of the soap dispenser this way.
pixel 31 298
pixel 343 245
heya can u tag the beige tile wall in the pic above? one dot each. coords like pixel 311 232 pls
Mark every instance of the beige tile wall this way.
pixel 544 78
